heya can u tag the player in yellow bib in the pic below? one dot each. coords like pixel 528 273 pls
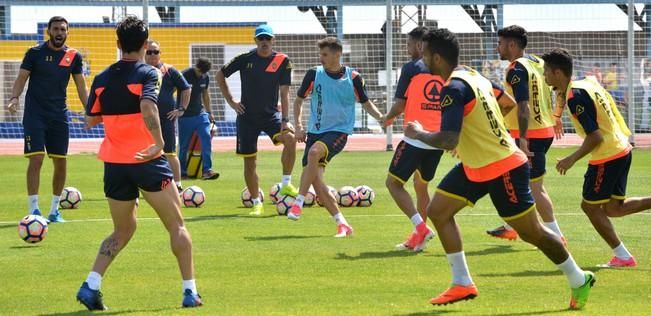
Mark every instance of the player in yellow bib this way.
pixel 605 137
pixel 491 163
pixel 532 125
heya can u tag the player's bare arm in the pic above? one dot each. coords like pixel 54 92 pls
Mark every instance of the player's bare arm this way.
pixel 82 90
pixel 228 96
pixel 397 109
pixel 375 113
pixel 185 100
pixel 149 111
pixel 298 109
pixel 17 90
pixel 506 103
pixel 590 142
pixel 284 107
pixel 205 97
pixel 444 139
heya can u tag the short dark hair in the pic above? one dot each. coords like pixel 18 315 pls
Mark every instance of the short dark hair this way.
pixel 57 19
pixel 444 43
pixel 559 58
pixel 418 32
pixel 331 42
pixel 516 33
pixel 132 33
pixel 203 64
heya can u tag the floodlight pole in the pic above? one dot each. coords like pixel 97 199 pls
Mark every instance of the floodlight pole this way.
pixel 145 11
pixel 629 78
pixel 388 65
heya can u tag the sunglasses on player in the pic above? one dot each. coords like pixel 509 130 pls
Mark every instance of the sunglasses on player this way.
pixel 153 52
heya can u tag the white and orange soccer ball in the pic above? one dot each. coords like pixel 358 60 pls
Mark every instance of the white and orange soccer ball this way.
pixel 310 197
pixel 247 200
pixel 32 228
pixel 366 195
pixel 274 192
pixel 70 198
pixel 347 196
pixel 193 196
pixel 333 193
pixel 284 203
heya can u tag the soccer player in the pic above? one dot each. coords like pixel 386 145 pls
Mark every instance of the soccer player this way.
pixel 263 72
pixel 532 125
pixel 491 163
pixel 417 96
pixel 168 110
pixel 605 137
pixel 45 120
pixel 334 90
pixel 197 117
pixel 124 97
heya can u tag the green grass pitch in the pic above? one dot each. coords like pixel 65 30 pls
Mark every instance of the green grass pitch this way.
pixel 272 266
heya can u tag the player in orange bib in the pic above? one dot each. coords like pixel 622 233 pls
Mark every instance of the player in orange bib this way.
pixel 491 163
pixel 605 137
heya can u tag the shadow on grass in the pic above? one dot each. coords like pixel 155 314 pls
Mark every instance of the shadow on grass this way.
pixel 282 237
pixel 25 247
pixel 110 312
pixel 375 255
pixel 546 312
pixel 5 226
pixel 211 217
pixel 432 312
pixel 497 249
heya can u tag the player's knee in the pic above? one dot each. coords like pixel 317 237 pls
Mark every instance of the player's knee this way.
pixel 589 209
pixel 393 183
pixel 613 209
pixel 288 138
pixel 315 154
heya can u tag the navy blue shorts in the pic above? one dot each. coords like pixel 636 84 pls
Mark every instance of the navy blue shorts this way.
pixel 408 159
pixel 43 134
pixel 538 147
pixel 607 181
pixel 510 192
pixel 248 131
pixel 333 141
pixel 168 129
pixel 122 181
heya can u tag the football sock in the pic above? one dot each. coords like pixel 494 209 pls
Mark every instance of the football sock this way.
pixel 460 273
pixel 553 225
pixel 416 219
pixel 287 178
pixel 94 280
pixel 256 201
pixel 621 252
pixel 54 207
pixel 178 184
pixel 340 219
pixel 507 226
pixel 299 200
pixel 190 284
pixel 575 276
pixel 32 202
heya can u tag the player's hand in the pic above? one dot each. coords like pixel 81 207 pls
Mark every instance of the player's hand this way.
pixel 13 105
pixel 91 121
pixel 387 122
pixel 149 153
pixel 524 146
pixel 238 107
pixel 562 165
pixel 174 114
pixel 300 134
pixel 558 129
pixel 412 129
pixel 287 126
pixel 211 118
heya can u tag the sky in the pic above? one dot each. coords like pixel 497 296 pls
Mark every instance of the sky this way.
pixel 357 19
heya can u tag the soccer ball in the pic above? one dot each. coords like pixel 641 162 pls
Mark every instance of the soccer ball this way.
pixel 284 203
pixel 333 193
pixel 347 196
pixel 274 192
pixel 247 201
pixel 193 196
pixel 32 228
pixel 366 195
pixel 310 197
pixel 70 198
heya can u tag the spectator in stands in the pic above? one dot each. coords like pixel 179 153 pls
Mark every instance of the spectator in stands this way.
pixel 45 119
pixel 596 72
pixel 197 117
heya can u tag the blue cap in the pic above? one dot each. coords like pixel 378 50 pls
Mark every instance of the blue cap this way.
pixel 264 29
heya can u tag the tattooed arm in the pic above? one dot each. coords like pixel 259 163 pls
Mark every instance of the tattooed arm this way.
pixel 149 112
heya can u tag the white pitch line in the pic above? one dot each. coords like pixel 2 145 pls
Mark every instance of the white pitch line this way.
pixel 250 217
